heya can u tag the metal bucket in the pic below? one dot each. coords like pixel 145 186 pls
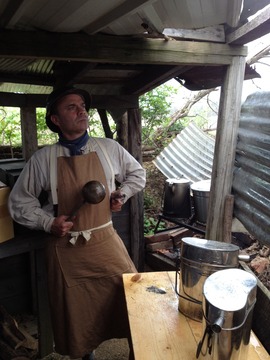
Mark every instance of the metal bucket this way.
pixel 200 258
pixel 201 192
pixel 229 297
pixel 177 201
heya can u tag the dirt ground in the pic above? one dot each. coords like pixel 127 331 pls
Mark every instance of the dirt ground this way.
pixel 114 349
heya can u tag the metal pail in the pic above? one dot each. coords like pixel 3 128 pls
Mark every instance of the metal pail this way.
pixel 199 258
pixel 229 297
pixel 177 201
pixel 201 192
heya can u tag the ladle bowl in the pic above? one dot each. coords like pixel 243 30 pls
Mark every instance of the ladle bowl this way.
pixel 93 192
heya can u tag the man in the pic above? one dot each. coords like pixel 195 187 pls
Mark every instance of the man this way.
pixel 85 256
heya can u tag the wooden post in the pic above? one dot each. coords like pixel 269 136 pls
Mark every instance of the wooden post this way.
pixel 224 155
pixel 122 130
pixel 29 131
pixel 136 202
pixel 228 218
pixel 44 316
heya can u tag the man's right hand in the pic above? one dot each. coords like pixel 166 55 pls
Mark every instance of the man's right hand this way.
pixel 60 226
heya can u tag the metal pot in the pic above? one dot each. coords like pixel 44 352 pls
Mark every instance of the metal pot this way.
pixel 177 202
pixel 200 258
pixel 229 297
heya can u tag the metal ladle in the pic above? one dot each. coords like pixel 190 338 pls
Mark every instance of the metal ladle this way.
pixel 93 192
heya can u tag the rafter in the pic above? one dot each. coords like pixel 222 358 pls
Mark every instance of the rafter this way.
pixel 252 30
pixel 114 49
pixel 126 8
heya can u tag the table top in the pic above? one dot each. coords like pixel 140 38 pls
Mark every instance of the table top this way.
pixel 158 329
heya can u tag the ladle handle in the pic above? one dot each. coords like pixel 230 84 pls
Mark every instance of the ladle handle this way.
pixel 74 212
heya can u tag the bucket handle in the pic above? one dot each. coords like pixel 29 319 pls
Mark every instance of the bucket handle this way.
pixel 216 327
pixel 208 331
pixel 177 273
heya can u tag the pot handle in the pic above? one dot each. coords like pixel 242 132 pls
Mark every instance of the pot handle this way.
pixel 244 257
pixel 172 187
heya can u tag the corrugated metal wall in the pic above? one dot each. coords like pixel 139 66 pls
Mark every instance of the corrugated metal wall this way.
pixel 189 155
pixel 251 183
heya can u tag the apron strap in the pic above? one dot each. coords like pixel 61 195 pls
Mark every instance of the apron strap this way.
pixel 55 151
pixel 105 153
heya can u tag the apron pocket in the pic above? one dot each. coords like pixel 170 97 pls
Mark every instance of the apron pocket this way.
pixel 104 255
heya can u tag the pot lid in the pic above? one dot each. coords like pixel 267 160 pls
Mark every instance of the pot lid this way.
pixel 177 181
pixel 209 251
pixel 230 289
pixel 203 185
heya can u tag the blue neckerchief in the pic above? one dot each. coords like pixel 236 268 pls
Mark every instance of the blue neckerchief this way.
pixel 74 146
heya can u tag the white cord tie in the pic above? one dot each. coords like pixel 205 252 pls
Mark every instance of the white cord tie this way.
pixel 86 234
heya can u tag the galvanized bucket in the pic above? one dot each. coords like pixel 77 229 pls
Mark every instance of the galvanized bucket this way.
pixel 200 258
pixel 229 297
pixel 201 192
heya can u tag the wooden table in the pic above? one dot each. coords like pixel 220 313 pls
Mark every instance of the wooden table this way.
pixel 158 329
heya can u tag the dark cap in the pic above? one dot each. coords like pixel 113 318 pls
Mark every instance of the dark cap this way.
pixel 56 95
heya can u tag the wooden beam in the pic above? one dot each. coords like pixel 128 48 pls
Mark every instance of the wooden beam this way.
pixel 251 7
pixel 114 49
pixel 211 33
pixel 27 79
pixel 225 145
pixel 252 30
pixel 10 9
pixel 98 101
pixel 114 102
pixel 149 80
pixel 22 100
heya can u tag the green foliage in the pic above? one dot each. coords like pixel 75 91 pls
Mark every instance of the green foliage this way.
pixel 155 109
pixel 45 136
pixel 150 225
pixel 148 201
pixel 10 126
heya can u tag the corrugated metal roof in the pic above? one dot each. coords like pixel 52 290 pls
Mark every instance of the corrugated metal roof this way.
pixel 137 19
pixel 125 17
pixel 189 155
pixel 251 183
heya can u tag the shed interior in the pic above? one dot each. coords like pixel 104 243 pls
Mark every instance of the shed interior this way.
pixel 119 50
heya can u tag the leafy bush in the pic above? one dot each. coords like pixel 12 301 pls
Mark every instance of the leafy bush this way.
pixel 150 225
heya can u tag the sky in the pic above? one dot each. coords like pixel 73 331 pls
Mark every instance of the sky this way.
pixel 249 86
pixel 263 68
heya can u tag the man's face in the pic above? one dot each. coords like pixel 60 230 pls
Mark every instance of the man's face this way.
pixel 71 118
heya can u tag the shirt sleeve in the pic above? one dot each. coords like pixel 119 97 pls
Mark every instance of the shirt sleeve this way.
pixel 24 205
pixel 127 170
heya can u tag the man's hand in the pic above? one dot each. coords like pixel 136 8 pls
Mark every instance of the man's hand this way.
pixel 117 200
pixel 60 226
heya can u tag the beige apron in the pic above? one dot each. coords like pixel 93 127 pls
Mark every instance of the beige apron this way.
pixel 85 280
